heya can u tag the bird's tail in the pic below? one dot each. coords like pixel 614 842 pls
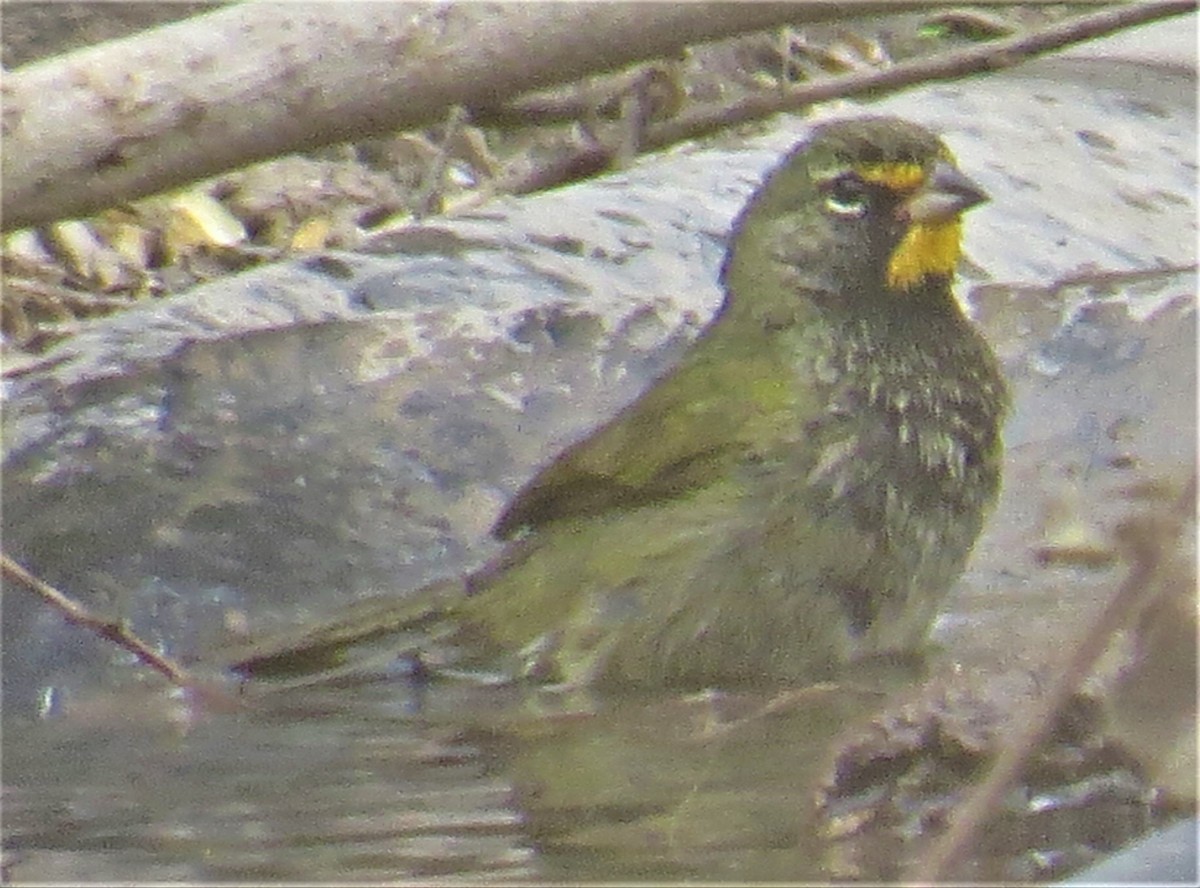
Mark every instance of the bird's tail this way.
pixel 328 645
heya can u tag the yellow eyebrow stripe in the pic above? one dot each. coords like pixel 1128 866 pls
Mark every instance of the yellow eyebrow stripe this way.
pixel 899 177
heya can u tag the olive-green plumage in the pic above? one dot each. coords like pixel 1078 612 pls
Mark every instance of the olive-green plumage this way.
pixel 806 485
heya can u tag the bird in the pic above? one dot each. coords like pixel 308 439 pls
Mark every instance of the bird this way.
pixel 799 492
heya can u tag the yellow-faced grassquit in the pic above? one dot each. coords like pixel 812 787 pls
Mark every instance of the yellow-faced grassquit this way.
pixel 800 491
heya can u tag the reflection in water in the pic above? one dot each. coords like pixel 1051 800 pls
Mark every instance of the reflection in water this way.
pixel 345 781
pixel 367 780
pixel 343 784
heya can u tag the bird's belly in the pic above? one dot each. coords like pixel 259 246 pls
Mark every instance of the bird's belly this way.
pixel 791 585
pixel 734 585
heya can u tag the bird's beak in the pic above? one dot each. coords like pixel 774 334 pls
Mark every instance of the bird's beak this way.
pixel 945 194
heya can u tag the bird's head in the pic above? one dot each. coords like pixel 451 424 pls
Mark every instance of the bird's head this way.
pixel 862 208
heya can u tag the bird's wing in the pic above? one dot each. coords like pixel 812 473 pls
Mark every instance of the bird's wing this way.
pixel 719 405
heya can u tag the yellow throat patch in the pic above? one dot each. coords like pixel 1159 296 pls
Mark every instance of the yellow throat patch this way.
pixel 926 250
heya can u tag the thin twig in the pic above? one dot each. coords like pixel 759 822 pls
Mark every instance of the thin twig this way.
pixel 1145 552
pixel 113 630
pixel 991 56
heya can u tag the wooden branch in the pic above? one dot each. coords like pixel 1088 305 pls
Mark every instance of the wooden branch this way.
pixel 107 124
pixel 113 630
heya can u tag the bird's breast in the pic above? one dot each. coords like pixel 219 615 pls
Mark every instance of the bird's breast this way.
pixel 904 439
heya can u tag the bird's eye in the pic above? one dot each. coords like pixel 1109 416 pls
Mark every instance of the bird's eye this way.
pixel 847 196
